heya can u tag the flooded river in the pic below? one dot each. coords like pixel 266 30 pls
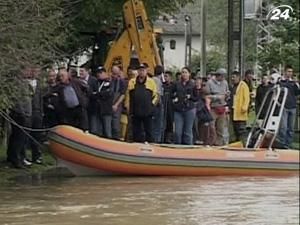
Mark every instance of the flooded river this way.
pixel 152 201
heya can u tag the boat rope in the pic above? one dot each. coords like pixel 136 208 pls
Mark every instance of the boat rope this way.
pixel 11 120
pixel 24 129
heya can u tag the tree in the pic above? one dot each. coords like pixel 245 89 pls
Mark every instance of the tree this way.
pixel 284 47
pixel 94 16
pixel 30 32
pixel 41 32
pixel 216 32
pixel 215 60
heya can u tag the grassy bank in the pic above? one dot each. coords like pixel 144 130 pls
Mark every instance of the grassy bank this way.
pixel 7 172
pixel 296 143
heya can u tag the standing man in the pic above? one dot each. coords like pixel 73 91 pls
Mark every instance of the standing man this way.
pixel 104 97
pixel 118 88
pixel 21 114
pixel 261 92
pixel 218 92
pixel 240 98
pixel 249 76
pixel 141 96
pixel 37 114
pixel 51 101
pixel 159 108
pixel 168 117
pixel 92 105
pixel 73 99
pixel 286 131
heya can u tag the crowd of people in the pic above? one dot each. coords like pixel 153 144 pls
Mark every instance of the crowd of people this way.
pixel 140 107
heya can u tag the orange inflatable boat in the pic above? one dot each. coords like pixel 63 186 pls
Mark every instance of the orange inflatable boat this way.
pixel 87 154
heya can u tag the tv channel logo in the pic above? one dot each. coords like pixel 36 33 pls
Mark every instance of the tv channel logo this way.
pixel 281 12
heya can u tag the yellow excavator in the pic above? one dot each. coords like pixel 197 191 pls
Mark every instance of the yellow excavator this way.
pixel 137 39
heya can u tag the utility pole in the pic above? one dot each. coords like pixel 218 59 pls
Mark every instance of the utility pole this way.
pixel 188 40
pixel 203 38
pixel 241 47
pixel 236 35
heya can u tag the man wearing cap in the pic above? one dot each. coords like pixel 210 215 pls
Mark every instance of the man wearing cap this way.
pixel 141 96
pixel 218 91
pixel 104 98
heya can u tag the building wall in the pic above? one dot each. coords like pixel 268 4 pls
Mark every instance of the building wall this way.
pixel 175 58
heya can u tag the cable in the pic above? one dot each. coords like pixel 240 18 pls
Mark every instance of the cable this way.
pixel 10 120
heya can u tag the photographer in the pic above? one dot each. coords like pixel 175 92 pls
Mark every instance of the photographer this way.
pixel 184 98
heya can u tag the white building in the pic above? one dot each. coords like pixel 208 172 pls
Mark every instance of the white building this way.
pixel 175 30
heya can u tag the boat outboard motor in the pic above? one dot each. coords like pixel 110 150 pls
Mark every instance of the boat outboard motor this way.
pixel 265 129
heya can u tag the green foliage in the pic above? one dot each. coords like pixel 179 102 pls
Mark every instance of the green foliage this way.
pixel 278 53
pixel 250 55
pixel 106 15
pixel 284 49
pixel 41 32
pixel 215 59
pixel 217 31
pixel 30 31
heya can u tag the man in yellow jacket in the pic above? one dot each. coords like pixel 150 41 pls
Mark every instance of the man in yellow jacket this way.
pixel 141 97
pixel 240 99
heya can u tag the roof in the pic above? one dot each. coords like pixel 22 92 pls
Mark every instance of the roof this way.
pixel 175 24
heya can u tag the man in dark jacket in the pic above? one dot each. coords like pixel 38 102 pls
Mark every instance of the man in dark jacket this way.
pixel 261 91
pixel 91 81
pixel 21 114
pixel 37 114
pixel 104 98
pixel 168 117
pixel 286 131
pixel 141 96
pixel 73 97
pixel 158 122
pixel 51 101
pixel 119 89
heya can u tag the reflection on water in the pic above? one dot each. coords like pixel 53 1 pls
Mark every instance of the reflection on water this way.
pixel 152 201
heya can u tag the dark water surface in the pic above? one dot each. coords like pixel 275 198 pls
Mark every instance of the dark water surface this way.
pixel 152 201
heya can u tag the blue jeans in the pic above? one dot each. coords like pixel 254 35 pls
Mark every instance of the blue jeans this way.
pixel 116 123
pixel 184 126
pixel 158 123
pixel 105 126
pixel 287 124
pixel 94 123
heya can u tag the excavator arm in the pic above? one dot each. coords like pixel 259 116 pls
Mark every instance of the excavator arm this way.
pixel 119 52
pixel 138 37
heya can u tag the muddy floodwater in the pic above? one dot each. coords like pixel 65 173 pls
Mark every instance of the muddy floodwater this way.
pixel 151 201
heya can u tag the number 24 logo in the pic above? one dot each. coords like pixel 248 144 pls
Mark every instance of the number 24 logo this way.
pixel 277 13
